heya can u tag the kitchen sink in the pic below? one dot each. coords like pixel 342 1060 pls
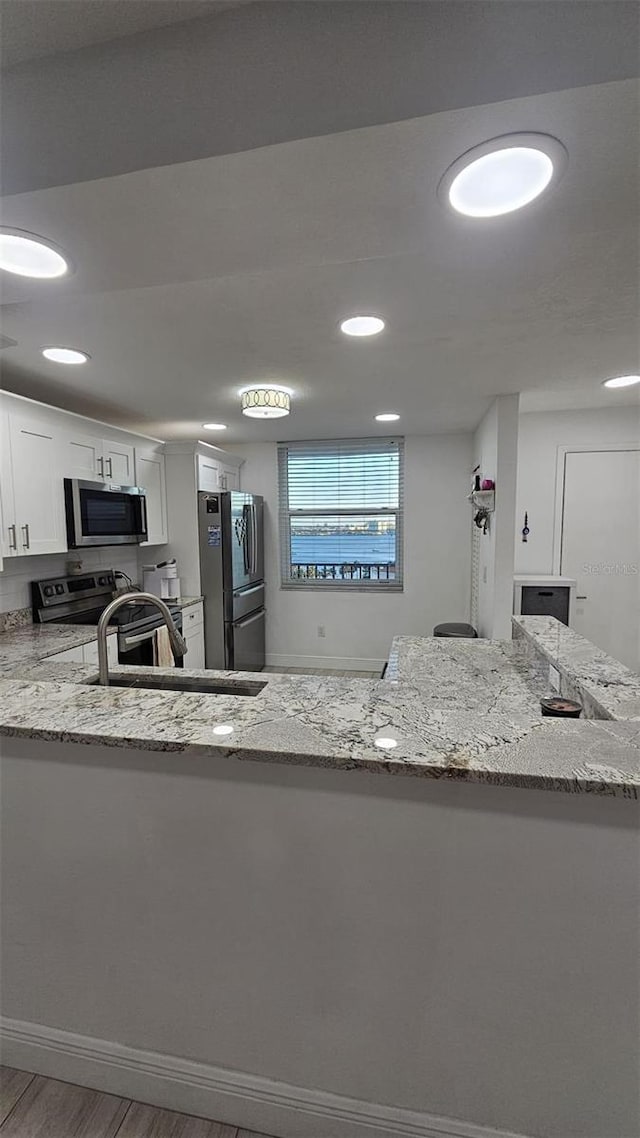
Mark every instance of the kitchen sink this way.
pixel 185 683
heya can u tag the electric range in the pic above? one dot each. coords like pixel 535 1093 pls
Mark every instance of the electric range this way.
pixel 83 598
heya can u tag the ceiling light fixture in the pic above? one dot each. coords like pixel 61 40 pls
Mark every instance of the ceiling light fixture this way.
pixel 65 355
pixel 503 174
pixel 28 255
pixel 621 381
pixel 266 401
pixel 214 426
pixel 362 326
pixel 387 417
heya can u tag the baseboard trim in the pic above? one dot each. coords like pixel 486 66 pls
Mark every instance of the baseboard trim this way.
pixel 244 1100
pixel 348 663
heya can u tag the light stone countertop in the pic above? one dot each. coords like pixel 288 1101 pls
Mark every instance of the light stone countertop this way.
pixel 463 710
pixel 24 646
pixel 611 688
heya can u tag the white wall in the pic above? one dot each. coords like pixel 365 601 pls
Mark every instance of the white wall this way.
pixel 466 951
pixel 359 626
pixel 540 435
pixel 18 572
pixel 495 452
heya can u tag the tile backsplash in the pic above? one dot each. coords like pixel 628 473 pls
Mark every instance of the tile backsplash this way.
pixel 18 572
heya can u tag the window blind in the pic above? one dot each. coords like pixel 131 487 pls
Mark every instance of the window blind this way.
pixel 341 513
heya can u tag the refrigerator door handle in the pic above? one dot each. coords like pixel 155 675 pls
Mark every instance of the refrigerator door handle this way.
pixel 247 592
pixel 254 538
pixel 250 619
pixel 246 517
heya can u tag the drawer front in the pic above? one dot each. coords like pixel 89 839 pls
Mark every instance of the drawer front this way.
pixel 192 617
pixel 546 600
pixel 246 601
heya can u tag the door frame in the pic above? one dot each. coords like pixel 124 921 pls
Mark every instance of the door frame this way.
pixel 561 467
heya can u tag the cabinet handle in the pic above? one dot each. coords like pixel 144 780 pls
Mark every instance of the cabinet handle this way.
pixel 101 466
pixel 110 467
pixel 25 530
pixel 13 544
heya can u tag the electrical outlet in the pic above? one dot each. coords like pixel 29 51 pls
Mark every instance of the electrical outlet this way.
pixel 321 631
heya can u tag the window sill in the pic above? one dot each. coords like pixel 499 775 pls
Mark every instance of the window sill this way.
pixel 330 587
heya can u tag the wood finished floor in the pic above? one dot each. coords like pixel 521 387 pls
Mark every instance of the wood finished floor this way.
pixel 324 672
pixel 34 1107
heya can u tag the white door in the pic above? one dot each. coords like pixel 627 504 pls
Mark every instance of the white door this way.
pixel 83 458
pixel 150 476
pixel 37 487
pixel 209 474
pixel 601 548
pixel 118 463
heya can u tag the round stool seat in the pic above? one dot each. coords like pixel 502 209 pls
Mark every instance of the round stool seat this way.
pixel 454 630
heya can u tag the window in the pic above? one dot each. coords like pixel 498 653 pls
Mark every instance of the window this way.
pixel 341 514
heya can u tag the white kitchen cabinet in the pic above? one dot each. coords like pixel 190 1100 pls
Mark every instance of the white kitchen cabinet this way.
pixel 193 632
pixel 118 463
pixel 150 475
pixel 32 497
pixel 214 474
pixel 231 477
pixel 69 656
pixel 90 651
pixel 93 458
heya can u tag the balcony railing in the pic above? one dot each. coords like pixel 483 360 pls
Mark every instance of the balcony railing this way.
pixel 343 571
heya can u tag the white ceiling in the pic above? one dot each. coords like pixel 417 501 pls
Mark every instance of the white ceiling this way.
pixel 31 29
pixel 195 278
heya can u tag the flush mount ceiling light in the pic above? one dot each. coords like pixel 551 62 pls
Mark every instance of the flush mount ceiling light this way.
pixel 387 417
pixel 362 326
pixel 503 174
pixel 621 381
pixel 214 426
pixel 65 355
pixel 28 255
pixel 266 401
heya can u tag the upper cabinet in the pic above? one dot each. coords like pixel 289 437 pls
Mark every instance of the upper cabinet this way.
pixel 33 517
pixel 150 475
pixel 41 446
pixel 217 473
pixel 98 459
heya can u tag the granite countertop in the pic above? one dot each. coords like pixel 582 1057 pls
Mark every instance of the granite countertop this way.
pixel 185 602
pixel 611 688
pixel 466 711
pixel 25 646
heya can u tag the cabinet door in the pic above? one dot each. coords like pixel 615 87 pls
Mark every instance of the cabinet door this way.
pixel 118 463
pixel 150 476
pixel 231 476
pixel 195 647
pixel 37 486
pixel 209 474
pixel 8 531
pixel 69 656
pixel 83 458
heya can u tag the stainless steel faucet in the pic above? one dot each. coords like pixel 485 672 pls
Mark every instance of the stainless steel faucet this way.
pixel 178 643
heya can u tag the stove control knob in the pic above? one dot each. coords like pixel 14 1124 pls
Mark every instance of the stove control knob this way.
pixel 48 590
pixel 59 589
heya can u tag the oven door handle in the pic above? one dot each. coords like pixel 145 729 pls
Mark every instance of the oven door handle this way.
pixel 133 641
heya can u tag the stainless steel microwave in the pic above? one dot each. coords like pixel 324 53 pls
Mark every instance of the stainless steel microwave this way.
pixel 103 513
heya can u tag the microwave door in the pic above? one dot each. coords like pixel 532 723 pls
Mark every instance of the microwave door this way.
pixel 104 514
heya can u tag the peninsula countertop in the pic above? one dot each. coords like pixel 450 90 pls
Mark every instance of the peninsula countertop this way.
pixel 467 711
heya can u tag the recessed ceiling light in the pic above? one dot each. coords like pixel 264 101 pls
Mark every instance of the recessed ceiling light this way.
pixel 503 175
pixel 223 729
pixel 362 326
pixel 65 355
pixel 28 255
pixel 214 426
pixel 387 417
pixel 622 381
pixel 266 400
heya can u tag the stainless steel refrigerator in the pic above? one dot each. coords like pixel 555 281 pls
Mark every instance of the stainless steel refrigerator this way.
pixel 232 575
